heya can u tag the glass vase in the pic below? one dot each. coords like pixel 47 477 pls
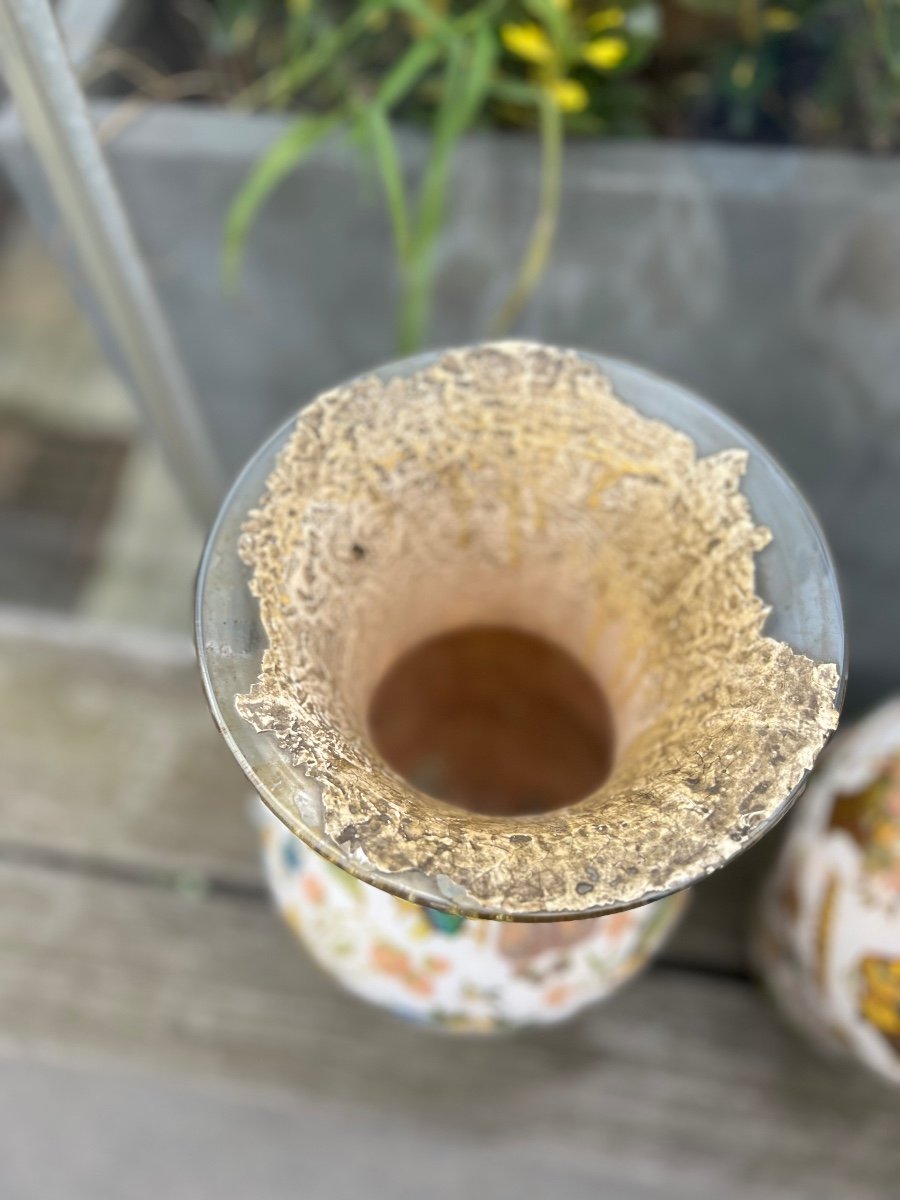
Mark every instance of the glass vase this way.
pixel 515 644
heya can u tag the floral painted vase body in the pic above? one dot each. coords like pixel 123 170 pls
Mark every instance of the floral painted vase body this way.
pixel 828 934
pixel 442 970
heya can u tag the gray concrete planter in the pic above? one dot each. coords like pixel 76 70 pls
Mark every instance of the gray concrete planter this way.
pixel 767 280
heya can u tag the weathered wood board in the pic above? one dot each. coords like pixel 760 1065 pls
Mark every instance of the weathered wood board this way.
pixel 161 1034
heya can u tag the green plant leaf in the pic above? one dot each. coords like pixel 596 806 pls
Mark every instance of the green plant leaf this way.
pixel 514 91
pixel 553 17
pixel 283 156
pixel 466 84
pixel 414 309
pixel 487 14
pixel 540 244
pixel 404 76
pixel 235 24
pixel 381 139
pixel 423 12
pixel 279 86
pixel 885 21
pixel 374 133
pixel 477 78
pixel 711 8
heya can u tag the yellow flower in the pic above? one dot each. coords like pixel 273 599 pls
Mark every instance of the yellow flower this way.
pixel 528 42
pixel 605 54
pixel 780 20
pixel 609 18
pixel 743 72
pixel 570 95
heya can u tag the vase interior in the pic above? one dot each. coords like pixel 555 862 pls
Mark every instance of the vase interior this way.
pixel 517 492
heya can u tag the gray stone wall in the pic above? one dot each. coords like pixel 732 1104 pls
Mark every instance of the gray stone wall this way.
pixel 767 280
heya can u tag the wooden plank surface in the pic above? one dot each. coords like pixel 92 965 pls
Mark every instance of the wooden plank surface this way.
pixel 110 760
pixel 142 967
pixel 109 752
pixel 681 1076
pixel 166 1141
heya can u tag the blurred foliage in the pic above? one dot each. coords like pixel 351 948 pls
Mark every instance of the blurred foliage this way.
pixel 819 72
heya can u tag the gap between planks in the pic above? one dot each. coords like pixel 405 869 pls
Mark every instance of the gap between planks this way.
pixel 676 1073
pixel 113 768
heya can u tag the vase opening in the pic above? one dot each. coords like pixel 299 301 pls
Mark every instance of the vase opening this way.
pixel 494 719
pixel 500 528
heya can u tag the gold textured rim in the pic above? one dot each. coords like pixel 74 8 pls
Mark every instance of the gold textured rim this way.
pixel 714 779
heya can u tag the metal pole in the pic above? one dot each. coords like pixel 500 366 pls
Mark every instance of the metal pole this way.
pixel 56 118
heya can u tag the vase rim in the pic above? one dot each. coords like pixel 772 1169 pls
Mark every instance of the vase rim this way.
pixel 230 639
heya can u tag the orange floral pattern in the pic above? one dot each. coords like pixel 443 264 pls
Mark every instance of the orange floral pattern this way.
pixel 871 817
pixel 446 971
pixel 828 937
pixel 880 999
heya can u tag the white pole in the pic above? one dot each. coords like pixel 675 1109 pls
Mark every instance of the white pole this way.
pixel 56 118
